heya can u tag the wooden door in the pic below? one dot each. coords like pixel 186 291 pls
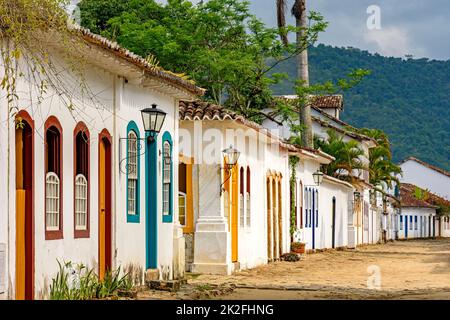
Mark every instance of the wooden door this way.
pixel 24 208
pixel 234 214
pixel 104 214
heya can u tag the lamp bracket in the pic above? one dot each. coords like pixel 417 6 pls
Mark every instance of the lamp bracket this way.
pixel 123 163
pixel 229 169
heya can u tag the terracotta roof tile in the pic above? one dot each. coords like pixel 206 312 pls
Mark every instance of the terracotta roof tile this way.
pixel 137 60
pixel 328 101
pixel 200 110
pixel 408 199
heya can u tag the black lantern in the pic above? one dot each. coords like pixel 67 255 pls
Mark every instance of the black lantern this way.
pixel 153 119
pixel 231 156
pixel 356 196
pixel 318 177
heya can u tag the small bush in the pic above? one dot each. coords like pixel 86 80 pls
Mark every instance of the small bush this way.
pixel 81 283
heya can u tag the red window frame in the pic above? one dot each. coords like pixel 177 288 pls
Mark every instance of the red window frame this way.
pixel 53 123
pixel 82 128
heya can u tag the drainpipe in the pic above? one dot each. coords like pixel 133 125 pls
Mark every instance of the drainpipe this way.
pixel 114 145
pixel 8 203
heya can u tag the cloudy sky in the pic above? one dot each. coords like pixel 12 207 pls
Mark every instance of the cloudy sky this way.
pixel 417 27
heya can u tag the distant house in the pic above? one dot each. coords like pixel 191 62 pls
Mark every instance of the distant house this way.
pixel 420 216
pixel 363 222
pixel 426 176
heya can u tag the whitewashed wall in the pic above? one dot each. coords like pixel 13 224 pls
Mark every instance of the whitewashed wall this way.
pixel 128 240
pixel 426 178
pixel 422 230
pixel 211 226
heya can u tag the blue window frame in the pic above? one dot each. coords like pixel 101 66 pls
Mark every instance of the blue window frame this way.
pixel 401 222
pixel 167 178
pixel 310 200
pixel 415 223
pixel 410 222
pixel 133 173
pixel 306 207
pixel 316 207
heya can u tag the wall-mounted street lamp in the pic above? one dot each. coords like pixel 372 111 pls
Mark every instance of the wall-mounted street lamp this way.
pixel 318 177
pixel 231 157
pixel 153 120
pixel 356 196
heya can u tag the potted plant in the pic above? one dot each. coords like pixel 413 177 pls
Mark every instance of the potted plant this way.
pixel 298 247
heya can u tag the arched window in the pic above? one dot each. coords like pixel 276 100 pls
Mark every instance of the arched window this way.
pixel 81 181
pixel 133 173
pixel 167 178
pixel 241 198
pixel 53 179
pixel 248 202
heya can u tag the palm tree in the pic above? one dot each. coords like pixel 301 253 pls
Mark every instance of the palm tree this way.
pixel 347 156
pixel 299 12
pixel 382 169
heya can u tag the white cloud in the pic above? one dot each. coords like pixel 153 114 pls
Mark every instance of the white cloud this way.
pixel 392 41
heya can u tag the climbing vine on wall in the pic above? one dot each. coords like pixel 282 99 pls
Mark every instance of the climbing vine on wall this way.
pixel 293 161
pixel 29 32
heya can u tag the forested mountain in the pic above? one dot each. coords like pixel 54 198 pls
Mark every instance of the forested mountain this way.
pixel 407 98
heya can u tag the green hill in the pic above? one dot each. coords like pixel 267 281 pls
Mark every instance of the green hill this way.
pixel 408 99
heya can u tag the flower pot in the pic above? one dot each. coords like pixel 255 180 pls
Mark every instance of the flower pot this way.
pixel 298 248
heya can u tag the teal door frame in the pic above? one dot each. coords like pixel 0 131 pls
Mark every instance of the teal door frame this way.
pixel 151 200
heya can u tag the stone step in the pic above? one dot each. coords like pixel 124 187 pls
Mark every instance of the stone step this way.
pixel 151 275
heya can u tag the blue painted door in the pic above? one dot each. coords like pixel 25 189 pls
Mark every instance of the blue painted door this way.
pixel 406 226
pixel 151 221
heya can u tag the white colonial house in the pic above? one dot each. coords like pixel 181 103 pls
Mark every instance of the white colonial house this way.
pixel 88 184
pixel 426 176
pixel 239 217
pixel 322 209
pixel 363 222
pixel 419 218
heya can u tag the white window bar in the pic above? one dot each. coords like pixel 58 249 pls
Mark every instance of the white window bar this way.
pixel 52 200
pixel 81 202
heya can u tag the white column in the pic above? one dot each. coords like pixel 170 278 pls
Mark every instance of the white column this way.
pixel 212 252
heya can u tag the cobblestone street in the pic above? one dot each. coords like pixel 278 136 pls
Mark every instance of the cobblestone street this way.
pixel 415 269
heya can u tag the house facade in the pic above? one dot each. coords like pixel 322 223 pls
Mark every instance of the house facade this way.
pixel 363 222
pixel 418 218
pixel 321 210
pixel 86 185
pixel 426 176
pixel 235 218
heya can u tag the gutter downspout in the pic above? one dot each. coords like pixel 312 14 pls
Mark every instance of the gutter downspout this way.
pixel 114 166
pixel 8 204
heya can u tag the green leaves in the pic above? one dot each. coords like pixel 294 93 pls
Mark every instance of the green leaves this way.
pixel 348 155
pixel 76 282
pixel 218 43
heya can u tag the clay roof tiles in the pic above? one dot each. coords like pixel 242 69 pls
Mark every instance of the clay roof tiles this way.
pixel 408 198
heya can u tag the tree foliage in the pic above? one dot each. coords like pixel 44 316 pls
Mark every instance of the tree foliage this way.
pixel 383 171
pixel 217 43
pixel 26 28
pixel 409 99
pixel 348 156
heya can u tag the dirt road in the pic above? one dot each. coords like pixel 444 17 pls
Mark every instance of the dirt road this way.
pixel 414 269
